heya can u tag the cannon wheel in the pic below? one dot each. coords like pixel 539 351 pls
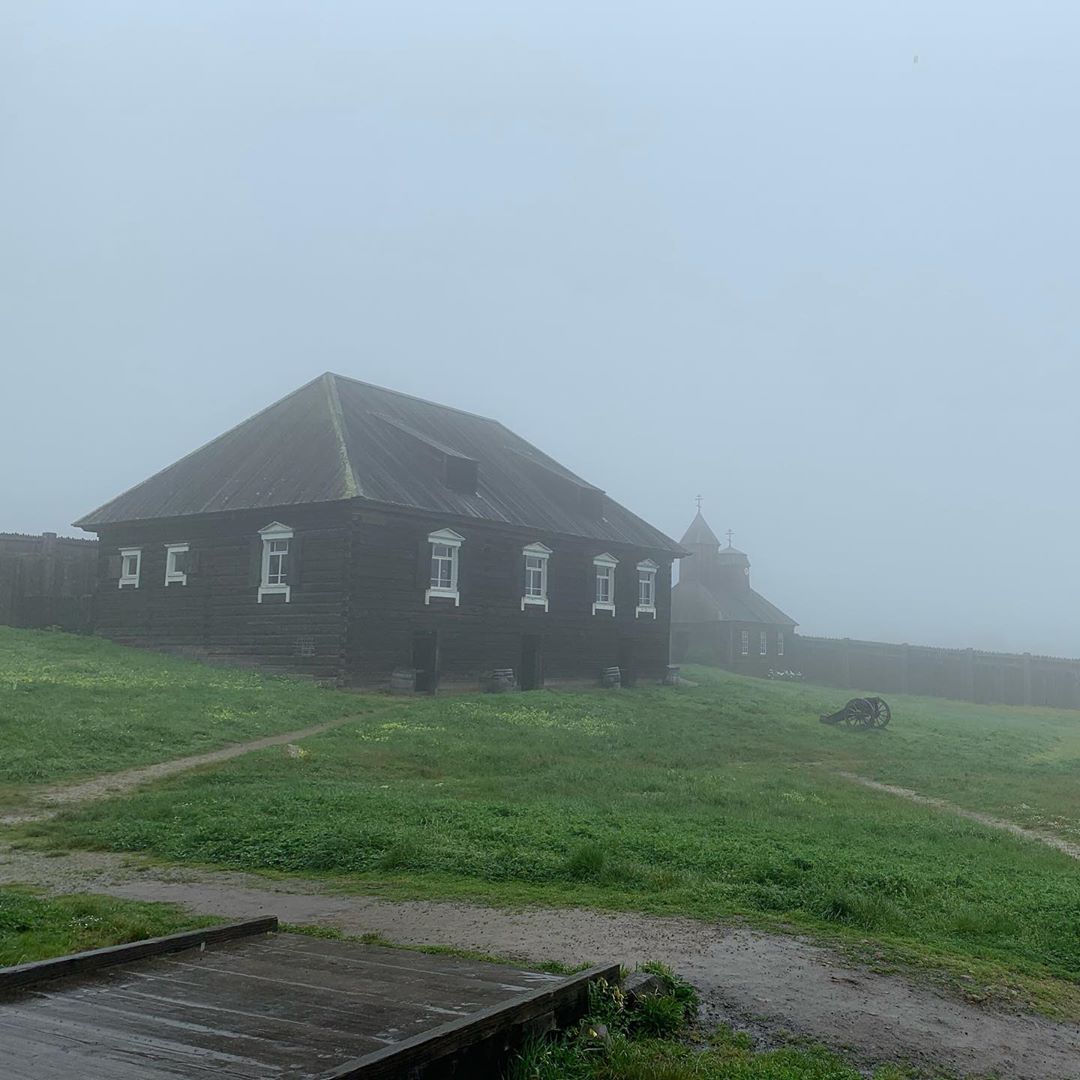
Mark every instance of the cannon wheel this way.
pixel 882 713
pixel 859 713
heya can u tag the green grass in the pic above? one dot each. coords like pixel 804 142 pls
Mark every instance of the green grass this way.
pixel 717 801
pixel 34 927
pixel 724 1056
pixel 1017 763
pixel 657 1040
pixel 76 706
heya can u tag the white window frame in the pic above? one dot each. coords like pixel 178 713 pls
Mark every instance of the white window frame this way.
pixel 452 540
pixel 269 534
pixel 172 575
pixel 541 553
pixel 763 647
pixel 130 580
pixel 779 642
pixel 646 569
pixel 744 642
pixel 607 562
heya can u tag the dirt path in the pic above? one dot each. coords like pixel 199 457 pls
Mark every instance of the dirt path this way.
pixel 972 815
pixel 768 983
pixel 48 801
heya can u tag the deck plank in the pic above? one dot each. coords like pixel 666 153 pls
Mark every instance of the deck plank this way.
pixel 266 1006
pixel 352 978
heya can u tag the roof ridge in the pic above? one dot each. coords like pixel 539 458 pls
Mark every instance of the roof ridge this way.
pixel 337 419
pixel 414 397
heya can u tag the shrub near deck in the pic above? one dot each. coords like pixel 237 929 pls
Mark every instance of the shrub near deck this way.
pixel 710 802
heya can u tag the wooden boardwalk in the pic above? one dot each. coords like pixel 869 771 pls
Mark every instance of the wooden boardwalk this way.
pixel 273 1005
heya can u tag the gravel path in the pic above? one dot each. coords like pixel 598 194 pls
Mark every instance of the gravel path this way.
pixel 1049 839
pixel 767 983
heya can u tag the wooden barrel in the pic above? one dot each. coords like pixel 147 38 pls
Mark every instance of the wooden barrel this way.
pixel 498 681
pixel 403 681
pixel 611 677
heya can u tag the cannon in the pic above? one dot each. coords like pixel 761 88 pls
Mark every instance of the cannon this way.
pixel 861 712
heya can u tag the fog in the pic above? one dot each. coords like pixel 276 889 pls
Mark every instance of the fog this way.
pixel 817 263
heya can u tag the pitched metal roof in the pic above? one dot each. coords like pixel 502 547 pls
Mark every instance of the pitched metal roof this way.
pixel 751 606
pixel 699 534
pixel 692 602
pixel 337 438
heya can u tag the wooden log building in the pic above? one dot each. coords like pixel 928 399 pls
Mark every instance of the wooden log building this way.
pixel 717 618
pixel 350 532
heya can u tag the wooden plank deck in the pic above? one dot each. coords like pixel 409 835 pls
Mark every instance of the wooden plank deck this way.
pixel 276 1005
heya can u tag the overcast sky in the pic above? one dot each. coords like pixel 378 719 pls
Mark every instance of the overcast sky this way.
pixel 816 262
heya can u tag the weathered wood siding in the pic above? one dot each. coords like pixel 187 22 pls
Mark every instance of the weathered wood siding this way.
pixel 357 599
pixel 216 615
pixel 390 572
pixel 719 644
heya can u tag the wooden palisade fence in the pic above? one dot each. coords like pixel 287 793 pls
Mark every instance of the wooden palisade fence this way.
pixel 47 581
pixel 963 674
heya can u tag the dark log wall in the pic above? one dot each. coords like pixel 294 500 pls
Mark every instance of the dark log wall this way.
pixel 216 615
pixel 719 644
pixel 389 563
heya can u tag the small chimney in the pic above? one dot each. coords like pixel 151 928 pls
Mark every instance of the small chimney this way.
pixel 461 474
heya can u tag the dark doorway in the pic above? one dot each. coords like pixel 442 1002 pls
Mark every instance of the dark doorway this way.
pixel 627 668
pixel 425 658
pixel 531 673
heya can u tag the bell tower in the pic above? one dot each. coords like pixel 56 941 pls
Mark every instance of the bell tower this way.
pixel 703 545
pixel 732 568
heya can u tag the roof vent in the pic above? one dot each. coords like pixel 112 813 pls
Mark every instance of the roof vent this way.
pixel 461 474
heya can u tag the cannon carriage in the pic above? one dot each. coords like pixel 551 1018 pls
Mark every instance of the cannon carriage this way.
pixel 866 713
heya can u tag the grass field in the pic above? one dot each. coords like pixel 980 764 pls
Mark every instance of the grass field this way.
pixel 75 706
pixel 715 801
pixel 34 927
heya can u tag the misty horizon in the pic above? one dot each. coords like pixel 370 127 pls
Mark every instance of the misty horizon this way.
pixel 816 267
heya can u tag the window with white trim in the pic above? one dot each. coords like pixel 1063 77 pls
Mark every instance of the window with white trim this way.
pixel 176 564
pixel 445 553
pixel 604 596
pixel 744 640
pixel 646 603
pixel 779 642
pixel 763 647
pixel 536 575
pixel 130 566
pixel 274 579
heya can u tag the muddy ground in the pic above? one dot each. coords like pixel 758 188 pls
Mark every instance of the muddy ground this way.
pixel 776 986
